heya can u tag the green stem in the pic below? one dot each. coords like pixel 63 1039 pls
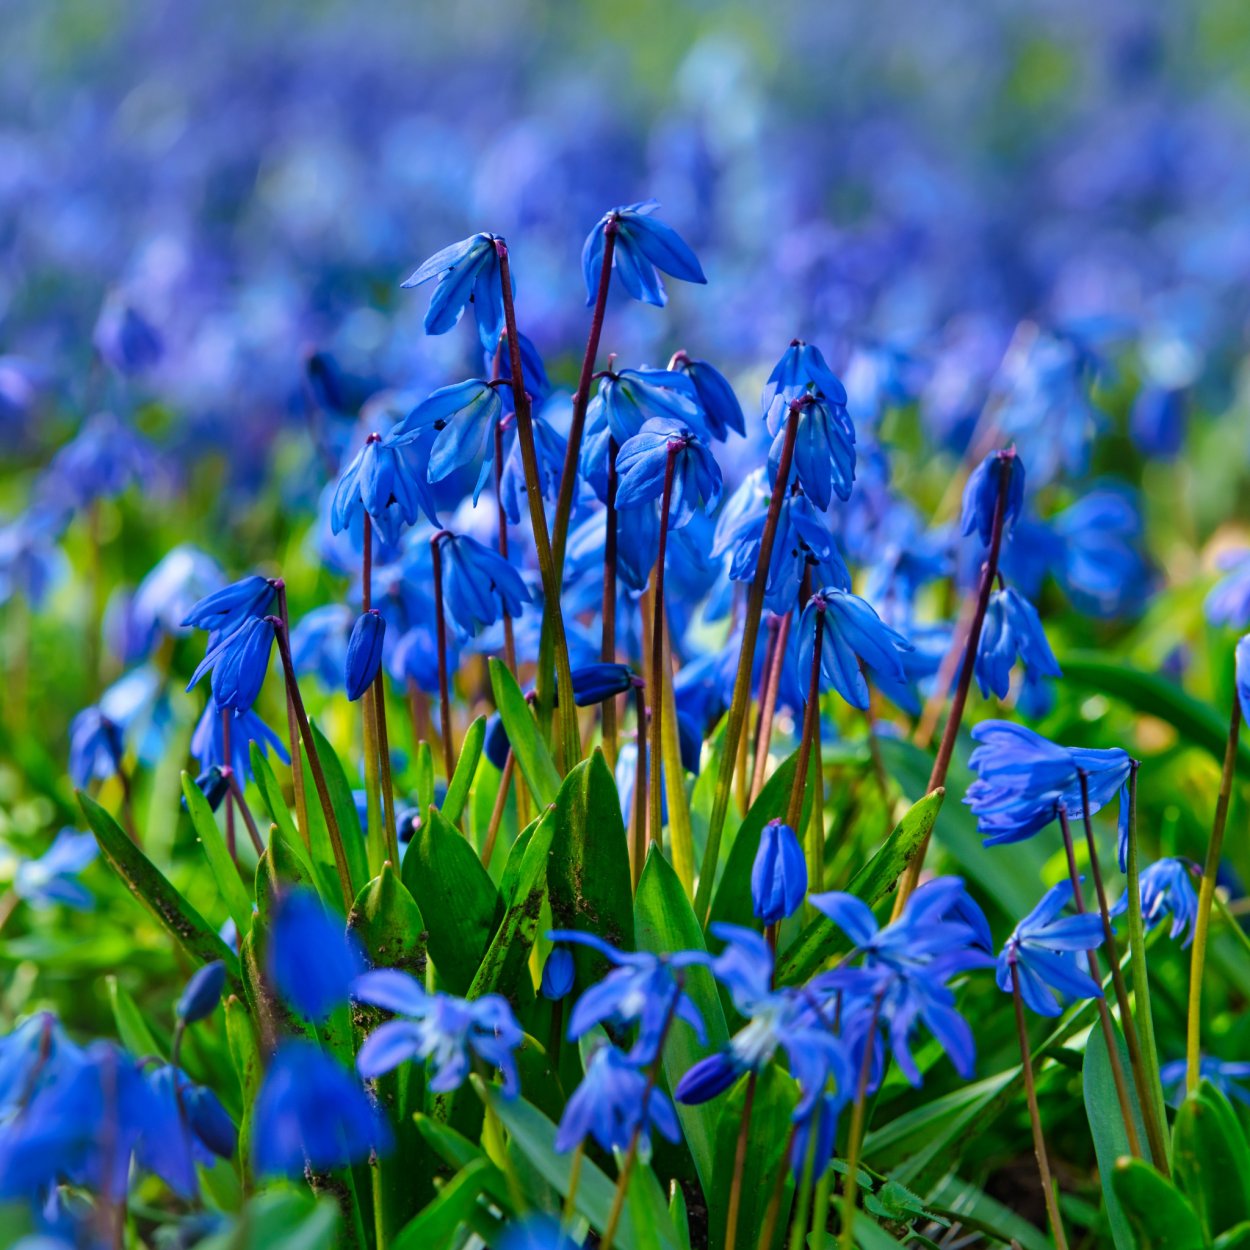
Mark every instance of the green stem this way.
pixel 1221 906
pixel 741 700
pixel 1206 896
pixel 657 675
pixel 798 1226
pixel 740 1158
pixel 855 1147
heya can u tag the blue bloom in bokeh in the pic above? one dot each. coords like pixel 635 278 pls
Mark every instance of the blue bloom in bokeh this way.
pixel 479 585
pixel 313 957
pixel 643 467
pixel 448 1031
pixel 468 272
pixel 1012 628
pixel 852 633
pixel 125 337
pixel 53 877
pixel 1228 602
pixel 644 246
pixel 311 1112
pixel 1226 1075
pixel 95 747
pixel 1158 420
pixel 779 873
pixel 614 1101
pixel 800 372
pixel 319 642
pixel 1167 885
pixel 1043 949
pixel 1000 471
pixel 721 410
pixel 558 974
pixel 364 653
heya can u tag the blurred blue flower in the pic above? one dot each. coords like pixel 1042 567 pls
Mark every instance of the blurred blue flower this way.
pixel 125 337
pixel 1012 628
pixel 1226 1075
pixel 313 957
pixel 1103 569
pixel 468 272
pixel 479 585
pixel 779 873
pixel 319 643
pixel 558 974
pixel 53 877
pixel 614 1101
pixel 800 372
pixel 1167 885
pixel 1158 420
pixel 364 653
pixel 448 1031
pixel 852 633
pixel 644 247
pixel 312 1113
pixel 985 484
pixel 101 461
pixel 1043 948
pixel 96 748
pixel 1228 602
pixel 163 600
pixel 202 993
pixel 643 467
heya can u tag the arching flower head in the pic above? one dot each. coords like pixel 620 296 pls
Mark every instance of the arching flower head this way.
pixel 1167 885
pixel 644 247
pixel 468 272
pixel 721 410
pixel 614 1101
pixel 643 468
pixel 479 585
pixel 999 471
pixel 824 448
pixel 461 417
pixel 1012 628
pixel 853 634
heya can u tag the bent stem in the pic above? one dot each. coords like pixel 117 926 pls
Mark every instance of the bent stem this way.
pixel 1104 1012
pixel 551 576
pixel 1030 1093
pixel 1145 1095
pixel 741 699
pixel 1206 893
pixel 946 749
pixel 314 762
pixel 292 726
pixel 657 674
pixel 509 637
pixel 235 792
pixel 440 625
pixel 607 644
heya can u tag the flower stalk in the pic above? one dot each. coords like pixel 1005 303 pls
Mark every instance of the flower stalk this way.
pixel 444 683
pixel 656 673
pixel 297 761
pixel 607 645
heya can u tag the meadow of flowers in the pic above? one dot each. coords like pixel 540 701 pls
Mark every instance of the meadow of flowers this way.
pixel 624 633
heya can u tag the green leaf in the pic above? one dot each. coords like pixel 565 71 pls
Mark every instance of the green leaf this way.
pixel 435 1226
pixel 537 766
pixel 1156 1213
pixel 510 877
pixel 1196 722
pixel 424 770
pixel 588 874
pixel 1102 1108
pixel 132 1028
pixel 285 1219
pixel 732 902
pixel 1210 1160
pixel 776 1096
pixel 283 865
pixel 233 892
pixel 271 791
pixel 458 900
pixel 505 966
pixel 872 883
pixel 248 1066
pixel 343 801
pixel 466 769
pixel 664 921
pixel 1235 1239
pixel 534 1136
pixel 149 885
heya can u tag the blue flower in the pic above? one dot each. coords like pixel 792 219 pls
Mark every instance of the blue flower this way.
pixel 537 1231
pixel 594 683
pixel 779 874
pixel 479 585
pixel 1242 676
pixel 468 272
pixel 52 878
pixel 558 974
pixel 533 371
pixel 165 1147
pixel 614 1101
pixel 1228 602
pixel 313 957
pixel 37 1048
pixel 238 662
pixel 96 747
pixel 640 988
pixel 1167 885
pixel 643 468
pixel 1225 1075
pixel 104 458
pixel 383 479
pixel 822 1116
pixel 1158 420
pixel 800 372
pixel 208 745
pixel 225 610
pixel 463 417
pixel 202 992
pixel 447 1031
pixel 982 491
pixel 125 338
pixel 1102 568
pixel 721 410
pixel 364 652
pixel 644 246
pixel 625 401
pixel 549 447
pixel 163 599
pixel 824 450
pixel 1043 949
pixel 1012 628
pixel 319 642
pixel 311 1112
pixel 852 632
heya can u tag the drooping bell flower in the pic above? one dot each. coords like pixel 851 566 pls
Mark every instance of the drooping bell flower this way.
pixel 779 874
pixel 224 610
pixel 208 742
pixel 824 449
pixel 721 410
pixel 852 634
pixel 364 652
pixel 558 974
pixel 238 663
pixel 644 246
pixel 479 585
pixel 313 957
pixel 462 417
pixel 53 877
pixel 126 338
pixel 383 479
pixel 981 494
pixel 643 468
pixel 468 272
pixel 1012 629
pixel 1167 887
pixel 800 371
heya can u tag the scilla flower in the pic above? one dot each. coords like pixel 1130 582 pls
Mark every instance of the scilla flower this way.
pixel 644 246
pixel 364 652
pixel 385 481
pixel 779 875
pixel 463 417
pixel 643 467
pixel 224 610
pixel 468 272
pixel 479 585
pixel 558 974
pixel 1012 628
pixel 238 663
pixel 1228 602
pixel 1167 885
pixel 1043 949
pixel 614 1101
pixel 824 449
pixel 1227 1076
pixel 53 877
pixel 445 1030
pixel 721 410
pixel 981 494
pixel 800 371
pixel 852 633
pixel 313 957
pixel 202 993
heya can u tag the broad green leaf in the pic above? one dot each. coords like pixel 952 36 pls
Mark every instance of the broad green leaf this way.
pixel 458 900
pixel 510 878
pixel 872 883
pixel 588 874
pixel 282 866
pixel 1210 1160
pixel 775 1098
pixel 732 902
pixel 424 770
pixel 537 766
pixel 466 768
pixel 284 1219
pixel 664 921
pixel 505 966
pixel 343 801
pixel 1156 1213
pixel 1102 1108
pixel 534 1136
pixel 271 791
pixel 132 1029
pixel 1235 1239
pixel 245 1054
pixel 435 1226
pixel 678 1214
pixel 233 892
pixel 150 886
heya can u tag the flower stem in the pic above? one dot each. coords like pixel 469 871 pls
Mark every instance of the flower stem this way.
pixel 1206 893
pixel 390 829
pixel 1145 1097
pixel 740 702
pixel 1104 1012
pixel 946 748
pixel 740 1158
pixel 607 645
pixel 509 637
pixel 798 1226
pixel 496 815
pixel 640 784
pixel 811 723
pixel 575 1176
pixel 551 575
pixel 779 637
pixel 656 674
pixel 314 762
pixel 297 762
pixel 227 717
pixel 236 792
pixel 1039 1141
pixel 773 1211
pixel 444 684
pixel 855 1145
pixel 376 835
